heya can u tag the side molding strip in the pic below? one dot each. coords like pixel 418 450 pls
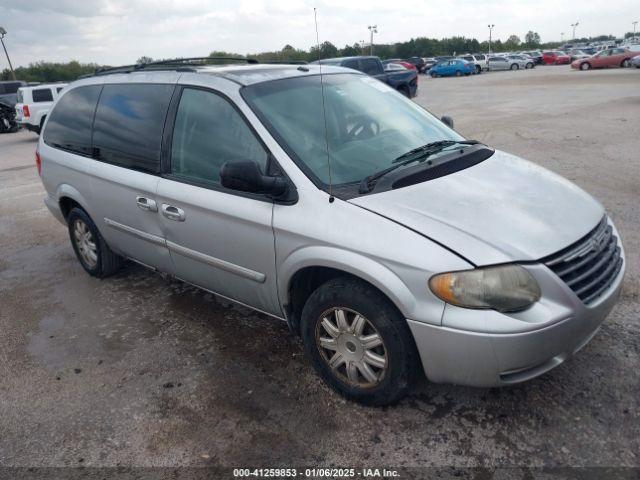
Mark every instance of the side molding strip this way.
pixel 217 263
pixel 135 232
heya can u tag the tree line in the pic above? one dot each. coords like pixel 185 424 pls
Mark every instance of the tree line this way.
pixel 421 46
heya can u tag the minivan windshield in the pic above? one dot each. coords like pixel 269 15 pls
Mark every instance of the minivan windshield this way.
pixel 368 124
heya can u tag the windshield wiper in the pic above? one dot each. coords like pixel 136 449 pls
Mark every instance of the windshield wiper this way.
pixel 419 154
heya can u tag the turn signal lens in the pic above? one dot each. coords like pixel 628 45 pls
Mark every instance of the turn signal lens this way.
pixel 505 288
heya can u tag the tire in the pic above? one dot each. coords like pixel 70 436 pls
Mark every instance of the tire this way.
pixel 105 262
pixel 478 70
pixel 529 65
pixel 355 298
pixel 458 73
pixel 404 90
pixel 585 66
pixel 515 67
pixel 625 63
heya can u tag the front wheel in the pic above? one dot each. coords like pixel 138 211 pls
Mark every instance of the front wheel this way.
pixel 458 73
pixel 478 69
pixel 515 66
pixel 585 66
pixel 625 63
pixel 92 251
pixel 358 342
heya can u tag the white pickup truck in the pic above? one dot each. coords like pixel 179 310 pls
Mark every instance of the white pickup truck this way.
pixel 34 103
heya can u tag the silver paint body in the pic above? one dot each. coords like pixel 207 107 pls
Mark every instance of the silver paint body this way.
pixel 504 209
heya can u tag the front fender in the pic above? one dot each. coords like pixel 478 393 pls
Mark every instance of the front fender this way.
pixel 350 262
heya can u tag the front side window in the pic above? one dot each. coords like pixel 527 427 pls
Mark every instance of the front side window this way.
pixel 368 124
pixel 69 124
pixel 207 133
pixel 128 126
pixel 42 95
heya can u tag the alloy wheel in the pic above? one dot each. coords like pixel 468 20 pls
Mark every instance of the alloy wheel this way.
pixel 86 243
pixel 352 347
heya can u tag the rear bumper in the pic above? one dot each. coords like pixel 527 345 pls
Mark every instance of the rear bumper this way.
pixel 451 355
pixel 54 208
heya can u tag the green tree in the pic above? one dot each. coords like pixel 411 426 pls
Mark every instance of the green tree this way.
pixel 327 50
pixel 532 39
pixel 144 59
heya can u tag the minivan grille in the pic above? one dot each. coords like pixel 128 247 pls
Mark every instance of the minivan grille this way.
pixel 590 265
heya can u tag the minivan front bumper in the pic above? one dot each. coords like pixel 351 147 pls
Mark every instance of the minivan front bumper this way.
pixel 490 359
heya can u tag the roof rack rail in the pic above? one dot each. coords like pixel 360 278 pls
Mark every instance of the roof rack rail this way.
pixel 180 64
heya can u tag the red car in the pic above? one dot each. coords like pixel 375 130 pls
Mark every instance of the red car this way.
pixel 612 57
pixel 555 58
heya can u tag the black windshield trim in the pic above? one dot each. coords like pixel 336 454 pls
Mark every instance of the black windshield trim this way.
pixel 468 158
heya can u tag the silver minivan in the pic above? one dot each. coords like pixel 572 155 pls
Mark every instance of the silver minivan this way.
pixel 391 244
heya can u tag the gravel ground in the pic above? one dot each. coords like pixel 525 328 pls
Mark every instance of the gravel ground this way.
pixel 139 370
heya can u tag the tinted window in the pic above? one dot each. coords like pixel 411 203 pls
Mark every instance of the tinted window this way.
pixel 351 64
pixel 10 87
pixel 42 95
pixel 69 124
pixel 479 57
pixel 209 132
pixel 128 127
pixel 468 59
pixel 370 66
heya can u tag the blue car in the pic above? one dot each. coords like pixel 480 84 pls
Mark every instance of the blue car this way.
pixel 455 67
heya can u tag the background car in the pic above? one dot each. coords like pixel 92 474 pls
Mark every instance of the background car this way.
pixel 449 68
pixel 478 60
pixel 394 67
pixel 555 57
pixel 34 103
pixel 612 57
pixel 428 63
pixel 405 64
pixel 536 55
pixel 521 61
pixel 417 62
pixel 636 61
pixel 496 63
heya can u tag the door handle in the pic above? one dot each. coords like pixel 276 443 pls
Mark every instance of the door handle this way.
pixel 146 204
pixel 173 213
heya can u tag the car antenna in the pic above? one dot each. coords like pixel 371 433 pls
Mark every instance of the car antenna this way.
pixel 324 111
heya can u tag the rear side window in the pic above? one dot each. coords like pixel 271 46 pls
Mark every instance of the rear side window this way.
pixel 69 124
pixel 351 64
pixel 369 66
pixel 479 57
pixel 209 132
pixel 42 95
pixel 127 130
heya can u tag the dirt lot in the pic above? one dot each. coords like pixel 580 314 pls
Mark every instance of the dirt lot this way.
pixel 136 370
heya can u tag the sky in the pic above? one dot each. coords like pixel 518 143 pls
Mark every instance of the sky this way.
pixel 114 32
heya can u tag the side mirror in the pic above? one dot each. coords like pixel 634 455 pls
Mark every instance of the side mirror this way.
pixel 447 120
pixel 247 177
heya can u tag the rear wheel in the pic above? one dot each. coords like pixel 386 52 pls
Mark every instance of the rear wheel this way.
pixel 625 63
pixel 585 66
pixel 478 69
pixel 529 65
pixel 358 342
pixel 515 66
pixel 92 251
pixel 405 91
pixel 458 73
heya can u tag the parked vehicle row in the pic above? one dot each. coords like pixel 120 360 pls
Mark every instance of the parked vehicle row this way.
pixel 405 81
pixel 611 57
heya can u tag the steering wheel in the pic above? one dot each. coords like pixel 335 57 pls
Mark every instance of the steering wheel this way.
pixel 363 127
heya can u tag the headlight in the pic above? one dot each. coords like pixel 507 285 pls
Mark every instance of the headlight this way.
pixel 506 288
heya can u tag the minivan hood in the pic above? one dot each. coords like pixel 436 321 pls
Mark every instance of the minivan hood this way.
pixel 503 209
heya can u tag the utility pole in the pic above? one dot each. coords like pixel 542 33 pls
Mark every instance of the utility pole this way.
pixel 490 29
pixel 574 25
pixel 561 37
pixel 372 29
pixel 3 32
